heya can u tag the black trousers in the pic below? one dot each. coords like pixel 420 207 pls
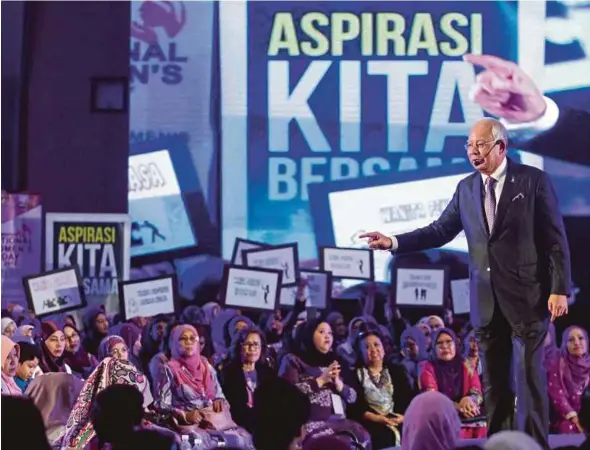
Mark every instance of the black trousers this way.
pixel 512 362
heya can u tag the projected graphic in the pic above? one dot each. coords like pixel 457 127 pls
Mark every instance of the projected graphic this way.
pixel 159 218
pixel 319 92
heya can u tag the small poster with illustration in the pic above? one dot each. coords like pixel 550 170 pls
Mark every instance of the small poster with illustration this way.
pixel 352 263
pixel 148 297
pixel 279 257
pixel 420 286
pixel 251 288
pixel 55 292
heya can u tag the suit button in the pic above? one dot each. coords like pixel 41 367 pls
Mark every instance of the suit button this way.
pixel 488 269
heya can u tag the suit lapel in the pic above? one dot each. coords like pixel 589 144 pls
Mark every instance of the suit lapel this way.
pixel 476 191
pixel 508 191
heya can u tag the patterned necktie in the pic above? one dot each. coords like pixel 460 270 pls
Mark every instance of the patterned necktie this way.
pixel 489 203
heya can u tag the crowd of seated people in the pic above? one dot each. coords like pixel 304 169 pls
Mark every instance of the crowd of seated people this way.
pixel 213 377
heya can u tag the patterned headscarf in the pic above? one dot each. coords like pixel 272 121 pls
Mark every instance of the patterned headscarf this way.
pixel 79 430
pixel 107 344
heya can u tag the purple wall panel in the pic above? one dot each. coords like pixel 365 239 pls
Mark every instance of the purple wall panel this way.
pixel 77 159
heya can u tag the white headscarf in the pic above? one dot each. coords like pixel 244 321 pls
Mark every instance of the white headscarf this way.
pixel 5 322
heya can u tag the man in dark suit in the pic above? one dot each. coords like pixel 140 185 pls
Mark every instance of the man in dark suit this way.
pixel 519 270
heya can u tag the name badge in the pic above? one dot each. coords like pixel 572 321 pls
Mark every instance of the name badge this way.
pixel 338 405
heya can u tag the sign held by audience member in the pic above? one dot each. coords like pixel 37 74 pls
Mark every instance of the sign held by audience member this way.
pixel 251 288
pixel 460 295
pixel 353 263
pixel 148 297
pixel 420 286
pixel 241 245
pixel 279 257
pixel 317 291
pixel 98 244
pixel 54 292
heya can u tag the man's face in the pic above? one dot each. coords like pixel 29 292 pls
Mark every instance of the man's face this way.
pixel 485 152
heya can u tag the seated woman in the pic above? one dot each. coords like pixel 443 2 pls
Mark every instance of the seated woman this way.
pixel 383 391
pixel 447 373
pixel 188 388
pixel 10 355
pixel 413 351
pixel 316 370
pixel 471 352
pixel 80 361
pixel 79 432
pixel 53 345
pixel 569 377
pixel 243 373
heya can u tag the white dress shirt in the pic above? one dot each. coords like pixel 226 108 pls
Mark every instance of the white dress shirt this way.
pixel 499 175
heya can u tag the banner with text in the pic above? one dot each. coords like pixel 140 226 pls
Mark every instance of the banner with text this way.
pixel 321 91
pixel 21 244
pixel 99 244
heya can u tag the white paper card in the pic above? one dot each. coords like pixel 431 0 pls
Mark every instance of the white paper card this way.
pixel 420 287
pixel 54 292
pixel 354 263
pixel 337 405
pixel 251 288
pixel 460 294
pixel 282 258
pixel 148 298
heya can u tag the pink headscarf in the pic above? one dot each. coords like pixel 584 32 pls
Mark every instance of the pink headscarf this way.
pixel 193 371
pixel 431 422
pixel 8 384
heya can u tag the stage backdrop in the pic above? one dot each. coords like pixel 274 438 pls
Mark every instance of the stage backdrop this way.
pixel 316 92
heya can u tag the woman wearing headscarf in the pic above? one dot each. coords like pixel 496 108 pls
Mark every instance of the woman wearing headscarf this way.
pixel 53 344
pixel 447 373
pixel 151 340
pixel 243 373
pixel 427 332
pixel 338 325
pixel 317 371
pixel 471 352
pixel 55 395
pixel 188 389
pixel 160 359
pixel 383 391
pixel 346 350
pixel 10 355
pixel 79 432
pixel 230 329
pixel 131 334
pixel 80 361
pixel 569 376
pixel 8 326
pixel 24 333
pixel 96 327
pixel 512 440
pixel 192 315
pixel 431 423
pixel 413 351
pixel 210 311
pixel 205 341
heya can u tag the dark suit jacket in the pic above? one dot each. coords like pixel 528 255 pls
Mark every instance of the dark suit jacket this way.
pixel 233 384
pixel 522 262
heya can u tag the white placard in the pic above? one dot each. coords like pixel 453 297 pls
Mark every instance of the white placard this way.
pixel 460 294
pixel 241 245
pixel 254 288
pixel 280 257
pixel 147 298
pixel 54 292
pixel 420 287
pixel 354 263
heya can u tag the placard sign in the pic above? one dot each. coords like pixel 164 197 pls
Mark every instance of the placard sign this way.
pixel 251 288
pixel 317 291
pixel 460 295
pixel 280 257
pixel 148 297
pixel 353 263
pixel 241 245
pixel 420 286
pixel 55 292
